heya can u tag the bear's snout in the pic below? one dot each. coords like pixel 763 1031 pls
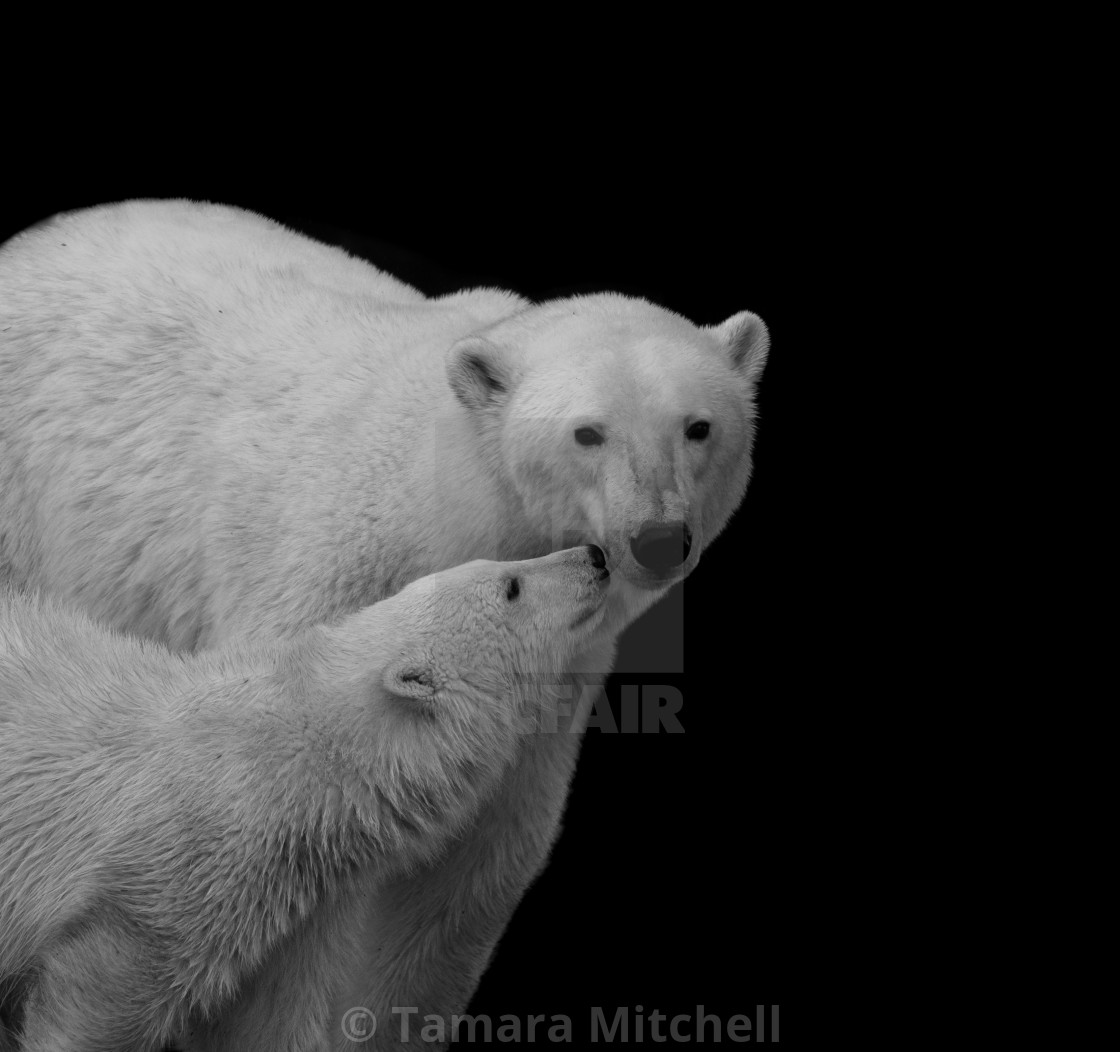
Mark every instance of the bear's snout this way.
pixel 662 546
pixel 598 560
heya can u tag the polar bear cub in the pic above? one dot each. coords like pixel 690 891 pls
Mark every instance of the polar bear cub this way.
pixel 167 822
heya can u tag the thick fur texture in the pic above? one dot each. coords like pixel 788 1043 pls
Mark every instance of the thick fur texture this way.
pixel 212 428
pixel 168 822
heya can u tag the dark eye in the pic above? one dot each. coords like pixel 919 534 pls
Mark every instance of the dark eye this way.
pixel 513 589
pixel 588 436
pixel 698 431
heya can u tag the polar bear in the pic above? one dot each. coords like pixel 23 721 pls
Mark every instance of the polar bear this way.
pixel 213 428
pixel 168 821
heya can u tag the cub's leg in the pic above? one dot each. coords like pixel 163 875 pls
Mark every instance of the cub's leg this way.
pixel 97 991
pixel 286 1006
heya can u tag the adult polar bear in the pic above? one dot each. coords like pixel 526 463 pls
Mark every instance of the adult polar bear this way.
pixel 212 427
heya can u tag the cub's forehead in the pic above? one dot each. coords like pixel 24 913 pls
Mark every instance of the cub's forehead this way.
pixel 463 576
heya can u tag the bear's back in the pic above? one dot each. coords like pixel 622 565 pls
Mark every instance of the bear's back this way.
pixel 209 422
pixel 185 241
pixel 67 681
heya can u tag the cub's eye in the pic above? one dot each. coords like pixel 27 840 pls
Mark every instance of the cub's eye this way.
pixel 588 436
pixel 513 589
pixel 698 431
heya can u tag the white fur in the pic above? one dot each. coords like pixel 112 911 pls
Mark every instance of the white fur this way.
pixel 213 428
pixel 168 822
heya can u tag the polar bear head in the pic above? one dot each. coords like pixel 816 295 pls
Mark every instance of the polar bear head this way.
pixel 428 692
pixel 618 423
pixel 467 634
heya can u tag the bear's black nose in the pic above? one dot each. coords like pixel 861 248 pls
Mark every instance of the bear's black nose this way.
pixel 598 559
pixel 662 546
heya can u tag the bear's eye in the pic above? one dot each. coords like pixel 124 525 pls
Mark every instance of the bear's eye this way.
pixel 588 436
pixel 698 431
pixel 513 589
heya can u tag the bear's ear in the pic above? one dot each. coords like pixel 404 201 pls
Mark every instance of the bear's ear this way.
pixel 412 677
pixel 747 341
pixel 480 372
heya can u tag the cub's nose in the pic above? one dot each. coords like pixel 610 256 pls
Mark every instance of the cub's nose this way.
pixel 662 546
pixel 598 560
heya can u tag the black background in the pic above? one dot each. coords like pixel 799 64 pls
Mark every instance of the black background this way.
pixel 705 868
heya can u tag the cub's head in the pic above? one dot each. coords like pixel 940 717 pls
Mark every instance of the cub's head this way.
pixel 431 688
pixel 621 424
pixel 464 635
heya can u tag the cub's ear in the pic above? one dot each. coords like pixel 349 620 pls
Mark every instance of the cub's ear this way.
pixel 480 372
pixel 747 341
pixel 412 677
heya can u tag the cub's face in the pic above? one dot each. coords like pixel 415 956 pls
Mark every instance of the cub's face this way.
pixel 475 628
pixel 449 671
pixel 622 425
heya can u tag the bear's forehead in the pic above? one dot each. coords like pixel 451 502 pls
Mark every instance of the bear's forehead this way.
pixel 620 336
pixel 613 324
pixel 650 374
pixel 464 580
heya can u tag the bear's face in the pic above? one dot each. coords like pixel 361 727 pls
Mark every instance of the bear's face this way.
pixel 466 634
pixel 619 424
pixel 474 655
